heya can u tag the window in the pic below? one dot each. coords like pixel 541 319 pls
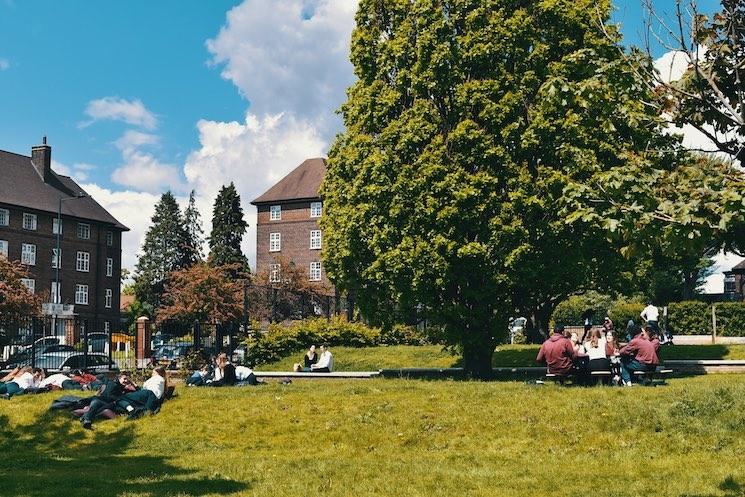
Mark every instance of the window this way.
pixel 28 254
pixel 29 221
pixel 275 242
pixel 83 262
pixel 56 295
pixel 4 217
pixel 316 208
pixel 274 273
pixel 4 248
pixel 107 325
pixel 315 239
pixel 56 259
pixel 81 294
pixel 29 283
pixel 56 226
pixel 107 299
pixel 109 266
pixel 109 238
pixel 84 231
pixel 315 271
pixel 275 212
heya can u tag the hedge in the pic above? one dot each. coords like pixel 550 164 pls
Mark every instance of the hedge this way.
pixel 280 340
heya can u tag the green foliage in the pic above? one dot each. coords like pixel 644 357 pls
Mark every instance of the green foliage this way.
pixel 731 319
pixel 228 228
pixel 571 312
pixel 281 340
pixel 444 198
pixel 194 231
pixel 622 311
pixel 689 318
pixel 163 251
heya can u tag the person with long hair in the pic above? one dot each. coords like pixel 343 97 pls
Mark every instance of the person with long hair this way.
pixel 597 353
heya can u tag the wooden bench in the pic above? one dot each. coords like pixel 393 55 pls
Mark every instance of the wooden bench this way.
pixel 648 377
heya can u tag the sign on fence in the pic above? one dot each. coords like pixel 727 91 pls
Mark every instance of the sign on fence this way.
pixel 51 309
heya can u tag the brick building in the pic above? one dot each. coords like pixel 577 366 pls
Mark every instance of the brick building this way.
pixel 287 224
pixel 31 194
pixel 734 282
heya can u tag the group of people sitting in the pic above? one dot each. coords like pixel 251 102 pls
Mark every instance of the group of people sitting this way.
pixel 313 363
pixel 34 380
pixel 219 371
pixel 599 351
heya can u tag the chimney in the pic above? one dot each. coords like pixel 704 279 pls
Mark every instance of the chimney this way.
pixel 41 158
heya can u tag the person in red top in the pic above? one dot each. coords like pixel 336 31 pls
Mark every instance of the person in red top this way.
pixel 557 353
pixel 640 354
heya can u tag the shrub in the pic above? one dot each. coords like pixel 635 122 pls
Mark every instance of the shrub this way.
pixel 622 311
pixel 730 319
pixel 401 334
pixel 571 311
pixel 689 318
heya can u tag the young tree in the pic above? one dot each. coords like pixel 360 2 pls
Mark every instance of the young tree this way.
pixel 228 228
pixel 16 301
pixel 164 250
pixel 194 231
pixel 202 292
pixel 469 118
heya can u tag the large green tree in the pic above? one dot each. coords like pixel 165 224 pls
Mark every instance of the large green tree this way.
pixel 228 228
pixel 469 118
pixel 165 249
pixel 194 231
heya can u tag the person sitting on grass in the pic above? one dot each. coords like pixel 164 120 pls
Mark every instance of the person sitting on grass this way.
pixel 146 399
pixel 23 380
pixel 325 363
pixel 224 372
pixel 309 359
pixel 558 353
pixel 106 397
pixel 640 354
pixel 199 377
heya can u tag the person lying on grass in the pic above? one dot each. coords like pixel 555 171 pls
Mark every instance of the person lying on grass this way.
pixel 640 354
pixel 108 394
pixel 146 399
pixel 199 377
pixel 22 380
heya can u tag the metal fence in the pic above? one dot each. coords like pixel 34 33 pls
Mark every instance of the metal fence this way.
pixel 65 344
pixel 267 304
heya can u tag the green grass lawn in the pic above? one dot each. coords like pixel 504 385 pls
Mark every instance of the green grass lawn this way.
pixel 433 356
pixel 391 438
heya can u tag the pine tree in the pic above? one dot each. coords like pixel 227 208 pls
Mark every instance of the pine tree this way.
pixel 194 231
pixel 228 228
pixel 164 250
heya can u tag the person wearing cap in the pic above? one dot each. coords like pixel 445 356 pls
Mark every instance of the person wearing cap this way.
pixel 640 354
pixel 558 353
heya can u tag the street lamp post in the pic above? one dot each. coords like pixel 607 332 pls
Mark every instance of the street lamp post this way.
pixel 58 259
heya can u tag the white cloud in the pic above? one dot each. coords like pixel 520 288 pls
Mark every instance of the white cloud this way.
pixel 4 64
pixel 722 262
pixel 132 140
pixel 131 112
pixel 253 155
pixel 146 173
pixel 78 172
pixel 672 65
pixel 289 56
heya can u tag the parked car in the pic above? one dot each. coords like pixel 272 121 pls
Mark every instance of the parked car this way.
pixel 160 339
pixel 171 354
pixel 96 363
pixel 98 342
pixel 23 357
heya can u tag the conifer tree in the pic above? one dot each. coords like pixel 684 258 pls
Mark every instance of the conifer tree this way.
pixel 194 231
pixel 228 228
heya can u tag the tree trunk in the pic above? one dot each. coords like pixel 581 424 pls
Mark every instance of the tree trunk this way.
pixel 477 356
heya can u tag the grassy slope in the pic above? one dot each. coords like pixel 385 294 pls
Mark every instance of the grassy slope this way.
pixel 392 438
pixel 402 356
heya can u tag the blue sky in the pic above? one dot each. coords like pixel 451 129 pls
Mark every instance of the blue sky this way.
pixel 141 96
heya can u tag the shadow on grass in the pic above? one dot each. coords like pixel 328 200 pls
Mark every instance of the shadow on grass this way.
pixel 694 352
pixel 55 457
pixel 730 487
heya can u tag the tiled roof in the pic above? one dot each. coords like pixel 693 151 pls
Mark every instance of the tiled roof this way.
pixel 301 183
pixel 740 266
pixel 21 185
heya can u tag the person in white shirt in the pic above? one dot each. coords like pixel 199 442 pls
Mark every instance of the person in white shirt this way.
pixel 651 314
pixel 325 362
pixel 597 354
pixel 24 380
pixel 146 399
pixel 54 381
pixel 156 383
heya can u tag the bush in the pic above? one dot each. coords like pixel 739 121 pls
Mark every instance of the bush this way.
pixel 571 311
pixel 622 311
pixel 401 334
pixel 730 319
pixel 689 318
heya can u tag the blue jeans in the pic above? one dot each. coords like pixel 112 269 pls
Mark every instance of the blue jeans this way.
pixel 629 365
pixel 10 388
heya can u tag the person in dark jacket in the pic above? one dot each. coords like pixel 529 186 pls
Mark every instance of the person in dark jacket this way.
pixel 558 353
pixel 224 372
pixel 106 397
pixel 640 354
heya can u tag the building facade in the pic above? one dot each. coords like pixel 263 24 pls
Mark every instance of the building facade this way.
pixel 32 196
pixel 734 282
pixel 287 229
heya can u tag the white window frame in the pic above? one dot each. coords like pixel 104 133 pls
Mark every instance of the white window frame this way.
pixel 57 226
pixel 275 273
pixel 315 239
pixel 314 274
pixel 56 258
pixel 84 231
pixel 275 212
pixel 83 262
pixel 29 283
pixel 108 298
pixel 109 266
pixel 275 242
pixel 107 326
pixel 4 248
pixel 28 254
pixel 109 239
pixel 81 294
pixel 56 299
pixel 316 209
pixel 29 221
pixel 4 217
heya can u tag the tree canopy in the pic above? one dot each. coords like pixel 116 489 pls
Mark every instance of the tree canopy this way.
pixel 16 301
pixel 228 228
pixel 469 120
